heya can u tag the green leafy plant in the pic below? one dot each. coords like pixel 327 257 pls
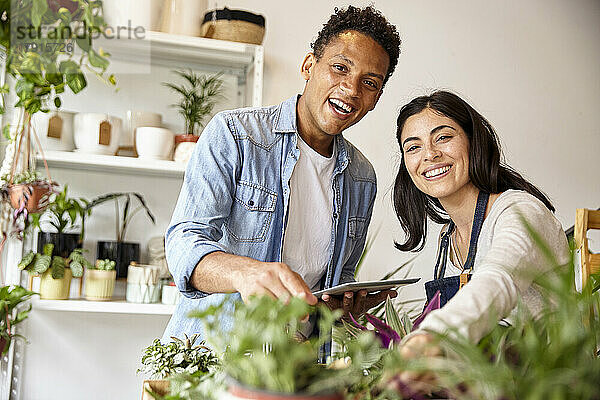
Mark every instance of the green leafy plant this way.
pixel 104 265
pixel 62 212
pixel 28 176
pixel 199 94
pixel 123 218
pixel 262 350
pixel 36 263
pixel 10 298
pixel 39 38
pixel 179 356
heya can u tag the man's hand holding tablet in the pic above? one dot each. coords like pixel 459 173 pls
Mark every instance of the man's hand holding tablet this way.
pixel 359 297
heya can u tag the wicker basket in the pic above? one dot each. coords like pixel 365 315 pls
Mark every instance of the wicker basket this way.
pixel 234 25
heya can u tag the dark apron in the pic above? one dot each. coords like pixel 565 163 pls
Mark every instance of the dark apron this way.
pixel 450 285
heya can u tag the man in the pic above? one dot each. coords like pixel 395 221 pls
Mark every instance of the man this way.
pixel 275 201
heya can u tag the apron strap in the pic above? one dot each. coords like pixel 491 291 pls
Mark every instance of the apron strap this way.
pixel 440 265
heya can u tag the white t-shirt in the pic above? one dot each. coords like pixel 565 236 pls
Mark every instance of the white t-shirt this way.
pixel 307 237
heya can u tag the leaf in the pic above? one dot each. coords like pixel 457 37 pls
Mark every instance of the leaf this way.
pixel 97 60
pixel 6 133
pixel 39 8
pixel 434 304
pixel 58 267
pixel 392 318
pixel 383 328
pixel 76 82
pixel 41 263
pixel 76 269
pixel 48 249
pixel 24 263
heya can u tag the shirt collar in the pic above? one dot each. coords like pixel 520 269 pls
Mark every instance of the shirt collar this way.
pixel 286 123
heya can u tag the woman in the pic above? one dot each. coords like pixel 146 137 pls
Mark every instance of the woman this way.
pixel 451 172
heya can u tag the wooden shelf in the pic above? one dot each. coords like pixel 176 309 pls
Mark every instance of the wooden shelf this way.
pixel 119 164
pixel 117 306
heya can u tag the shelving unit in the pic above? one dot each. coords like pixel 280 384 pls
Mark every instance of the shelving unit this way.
pixel 113 164
pixel 119 306
pixel 149 57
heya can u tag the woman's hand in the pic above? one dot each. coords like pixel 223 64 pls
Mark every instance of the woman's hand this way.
pixel 419 346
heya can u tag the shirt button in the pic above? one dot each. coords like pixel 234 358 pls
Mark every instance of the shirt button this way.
pixel 250 203
pixel 335 216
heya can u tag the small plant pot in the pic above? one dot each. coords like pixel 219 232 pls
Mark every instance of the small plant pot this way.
pixel 122 253
pixel 170 295
pixel 99 284
pixel 184 145
pixel 143 284
pixel 55 289
pixel 64 243
pixel 31 196
pixel 160 387
pixel 242 392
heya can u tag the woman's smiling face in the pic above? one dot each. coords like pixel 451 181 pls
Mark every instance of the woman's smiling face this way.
pixel 436 153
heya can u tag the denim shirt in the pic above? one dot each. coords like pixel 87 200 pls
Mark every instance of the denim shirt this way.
pixel 235 196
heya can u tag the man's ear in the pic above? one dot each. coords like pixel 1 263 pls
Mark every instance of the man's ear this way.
pixel 308 65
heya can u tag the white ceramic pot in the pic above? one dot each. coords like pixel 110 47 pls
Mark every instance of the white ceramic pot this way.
pixel 143 283
pixel 183 17
pixel 54 129
pixel 170 295
pixel 132 13
pixel 154 143
pixel 136 119
pixel 97 133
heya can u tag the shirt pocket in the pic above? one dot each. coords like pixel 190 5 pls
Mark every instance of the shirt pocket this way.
pixel 356 227
pixel 251 212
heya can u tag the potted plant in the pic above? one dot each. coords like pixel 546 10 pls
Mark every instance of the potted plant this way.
pixel 198 97
pixel 160 361
pixel 123 253
pixel 264 359
pixel 100 280
pixel 55 271
pixel 62 213
pixel 10 298
pixel 38 39
pixel 27 192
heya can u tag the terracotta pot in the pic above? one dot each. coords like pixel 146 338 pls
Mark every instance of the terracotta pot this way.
pixel 184 145
pixel 99 284
pixel 55 289
pixel 32 196
pixel 238 391
pixel 160 387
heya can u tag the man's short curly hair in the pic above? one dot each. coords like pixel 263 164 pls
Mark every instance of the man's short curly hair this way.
pixel 367 21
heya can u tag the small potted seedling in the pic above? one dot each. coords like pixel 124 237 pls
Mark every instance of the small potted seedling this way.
pixel 55 271
pixel 100 280
pixel 161 361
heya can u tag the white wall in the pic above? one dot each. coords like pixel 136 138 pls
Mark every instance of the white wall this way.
pixel 530 67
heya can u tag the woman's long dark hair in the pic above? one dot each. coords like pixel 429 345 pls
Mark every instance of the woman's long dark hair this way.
pixel 487 170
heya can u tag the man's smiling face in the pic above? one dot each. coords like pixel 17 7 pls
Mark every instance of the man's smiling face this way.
pixel 342 85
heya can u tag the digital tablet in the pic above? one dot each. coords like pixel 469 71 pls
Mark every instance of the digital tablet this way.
pixel 369 286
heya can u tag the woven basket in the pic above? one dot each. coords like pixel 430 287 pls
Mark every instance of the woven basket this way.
pixel 234 25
